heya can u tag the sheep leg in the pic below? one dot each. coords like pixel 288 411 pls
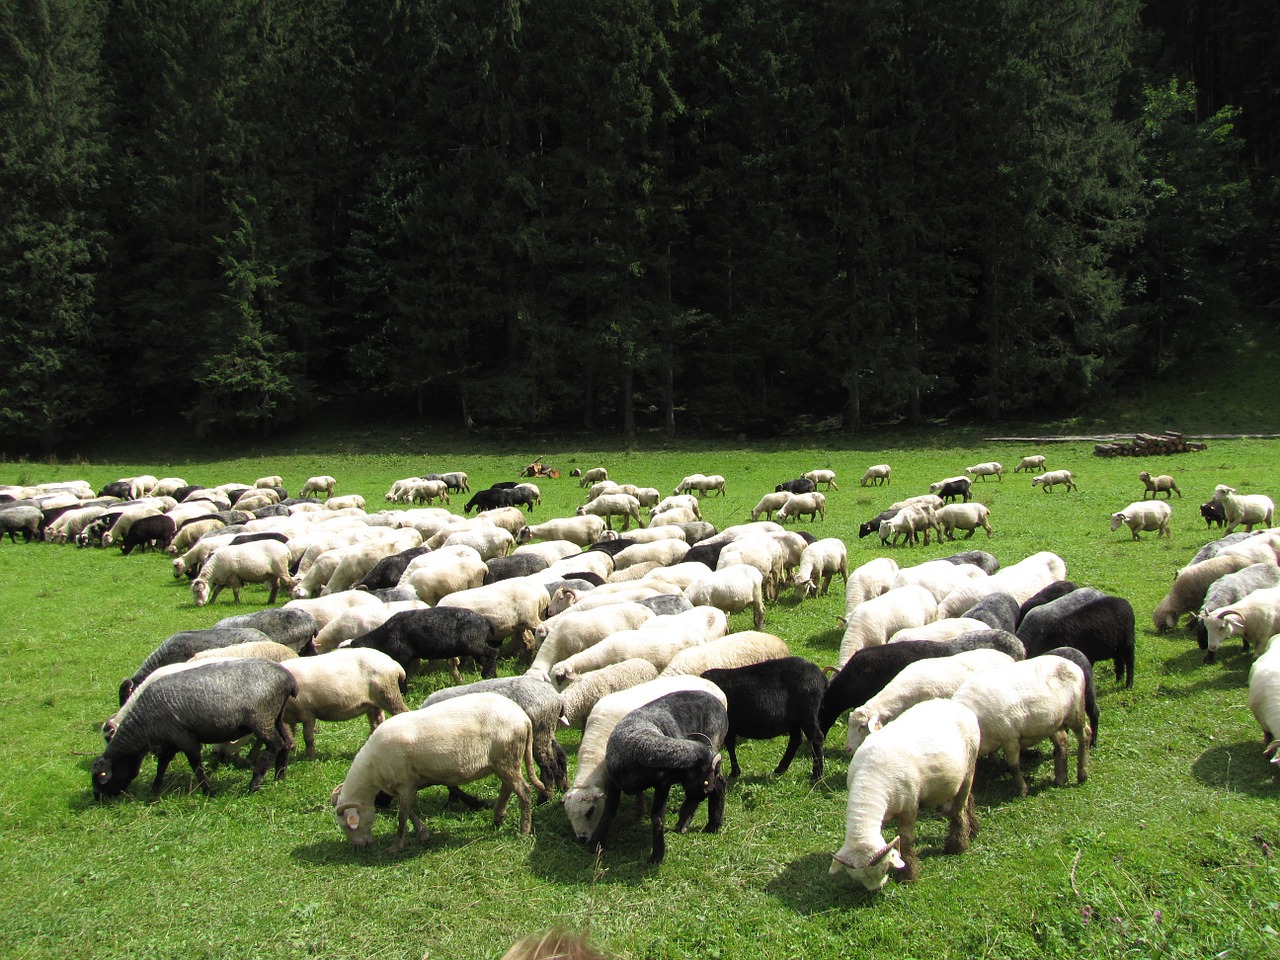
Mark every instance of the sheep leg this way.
pixel 404 801
pixel 963 816
pixel 309 735
pixel 658 817
pixel 275 589
pixel 910 872
pixel 163 756
pixel 213 595
pixel 1084 737
pixel 197 767
pixel 1059 739
pixel 500 808
pixel 526 806
pixel 793 744
pixel 611 800
pixel 1013 759
pixel 466 799
pixel 715 805
pixel 816 738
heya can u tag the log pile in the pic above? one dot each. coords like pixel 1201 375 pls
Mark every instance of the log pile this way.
pixel 1148 445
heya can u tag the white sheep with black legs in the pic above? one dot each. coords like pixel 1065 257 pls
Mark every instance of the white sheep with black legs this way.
pixel 1024 703
pixel 673 739
pixel 705 485
pixel 872 623
pixel 584 800
pixel 1029 464
pixel 612 505
pixel 1145 515
pixel 514 608
pixel 1264 700
pixel 811 505
pixel 984 470
pixel 449 743
pixel 594 475
pixel 266 561
pixel 1055 478
pixel 964 516
pixel 1250 510
pixel 924 759
pixel 340 685
pixel 879 474
pixel 819 563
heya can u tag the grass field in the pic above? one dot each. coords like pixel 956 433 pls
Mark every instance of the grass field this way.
pixel 1167 850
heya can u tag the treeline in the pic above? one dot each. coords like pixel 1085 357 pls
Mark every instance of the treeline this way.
pixel 684 214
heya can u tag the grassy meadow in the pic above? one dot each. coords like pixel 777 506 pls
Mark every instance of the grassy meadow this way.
pixel 1166 851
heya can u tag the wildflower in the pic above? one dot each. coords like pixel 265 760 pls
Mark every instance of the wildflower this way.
pixel 1159 917
pixel 1086 914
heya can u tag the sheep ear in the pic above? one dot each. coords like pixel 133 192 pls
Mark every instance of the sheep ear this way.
pixel 337 792
pixel 873 723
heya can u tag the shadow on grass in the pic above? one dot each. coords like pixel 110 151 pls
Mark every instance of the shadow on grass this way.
pixel 1236 768
pixel 805 887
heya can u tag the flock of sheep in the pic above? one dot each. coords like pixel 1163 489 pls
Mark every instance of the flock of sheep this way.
pixel 625 635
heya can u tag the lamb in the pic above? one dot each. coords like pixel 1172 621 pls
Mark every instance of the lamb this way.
pixel 708 485
pixel 1055 478
pixel 341 685
pixel 984 470
pixel 581 696
pixel 933 678
pixel 182 646
pixel 676 502
pixel 1155 485
pixel 673 739
pixel 1019 705
pixel 425 491
pixel 812 505
pixel 1254 619
pixel 822 476
pixel 318 485
pixel 1213 512
pixel 773 698
pixel 764 553
pixel 584 800
pixel 874 621
pixel 1264 700
pixel 549 550
pixel 594 475
pixel 1189 589
pixel 612 505
pixel 351 623
pixel 1033 462
pixel 1239 508
pixel 1098 625
pixel 443 572
pixel 513 608
pixel 950 488
pixel 939 577
pixel 769 503
pixel 233 566
pixel 545 709
pixel 906 523
pixel 925 758
pixel 438 633
pixel 1226 591
pixel 939 630
pixel 665 552
pixel 215 703
pixel 449 743
pixel 1145 515
pixel 964 516
pixel 574 630
pixel 734 650
pixel 352 501
pixel 877 475
pixel 731 589
pixel 821 561
pixel 869 581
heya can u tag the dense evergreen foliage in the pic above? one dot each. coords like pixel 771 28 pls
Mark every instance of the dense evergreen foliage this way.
pixel 681 215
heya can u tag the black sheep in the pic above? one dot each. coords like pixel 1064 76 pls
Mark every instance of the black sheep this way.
pixel 120 490
pixel 291 626
pixel 489 499
pixel 156 531
pixel 979 558
pixel 1213 512
pixel 387 571
pixel 799 485
pixel 1098 625
pixel 667 604
pixel 1059 588
pixel 673 739
pixel 611 547
pixel 1090 696
pixel 999 611
pixel 705 553
pixel 183 646
pixel 774 698
pixel 957 487
pixel 179 713
pixel 994 639
pixel 873 525
pixel 24 520
pixel 439 633
pixel 516 565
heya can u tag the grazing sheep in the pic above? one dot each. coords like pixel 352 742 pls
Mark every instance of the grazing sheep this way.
pixel 705 485
pixel 673 739
pixel 21 519
pixel 182 646
pixel 318 485
pixel 1264 700
pixel 950 488
pixel 584 800
pixel 869 581
pixel 339 686
pixel 1189 588
pixel 233 566
pixel 659 647
pixel 867 672
pixel 877 475
pixel 964 516
pixel 1213 512
pixel 438 633
pixel 443 572
pixel 1226 591
pixel 1020 580
pixel 923 759
pixel 1145 515
pixel 731 589
pixel 1098 625
pixel 906 523
pixel 583 694
pixel 594 475
pixel 1034 462
pixel 822 476
pixel 449 743
pixel 1000 611
pixel 821 561
pixel 812 505
pixel 769 503
pixel 1155 485
pixel 214 703
pixel 773 698
pixel 939 630
pixel 734 650
pixel 1019 705
pixel 325 609
pixel 984 561
pixel 575 630
pixel 1055 478
pixel 799 485
pixel 1239 508
pixel 256 650
pixel 612 505
pixel 939 577
pixel 294 628
pixel 984 470
pixel 1254 619
pixel 874 621
pixel 665 552
pixel 1051 592
pixel 356 561
pixel 513 608
pixel 488 541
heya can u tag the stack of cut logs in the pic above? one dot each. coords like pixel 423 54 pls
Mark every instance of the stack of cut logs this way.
pixel 1148 445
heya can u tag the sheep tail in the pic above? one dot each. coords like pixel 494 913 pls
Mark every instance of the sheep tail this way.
pixel 528 763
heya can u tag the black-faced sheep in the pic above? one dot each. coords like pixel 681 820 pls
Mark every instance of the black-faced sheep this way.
pixel 388 571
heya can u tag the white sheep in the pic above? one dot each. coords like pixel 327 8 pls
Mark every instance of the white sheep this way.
pixel 989 469
pixel 924 759
pixel 659 647
pixel 665 552
pixel 596 490
pixel 263 561
pixel 739 649
pixel 872 623
pixel 351 623
pixel 939 630
pixel 434 576
pixel 512 607
pixel 425 491
pixel 821 561
pixel 769 503
pixel 567 598
pixel 325 609
pixel 934 678
pixel 1190 585
pixel 489 542
pixel 822 476
pixel 677 501
pixel 1264 700
pixel 574 630
pixel 868 581
pixel 964 516
pixel 581 695
pixel 1227 590
pixel 1030 464
pixel 251 650
pixel 813 505
pixel 877 475
pixel 939 577
pixel 612 505
pixel 1155 485
pixel 451 743
pixel 1021 580
pixel 1145 515
pixel 764 553
pixel 268 482
pixel 582 530
pixel 584 800
pixel 315 486
pixel 352 501
pixel 340 685
pixel 548 550
pixel 1055 478
pixel 730 589
pixel 1250 509
pixel 1028 701
pixel 68 526
pixel 674 517
pixel 594 475
pixel 707 485
pixel 1255 620
pixel 128 516
pixel 906 523
pixel 358 560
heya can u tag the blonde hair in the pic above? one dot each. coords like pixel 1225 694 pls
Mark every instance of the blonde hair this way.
pixel 555 944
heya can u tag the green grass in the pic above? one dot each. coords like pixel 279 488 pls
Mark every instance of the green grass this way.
pixel 1167 850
